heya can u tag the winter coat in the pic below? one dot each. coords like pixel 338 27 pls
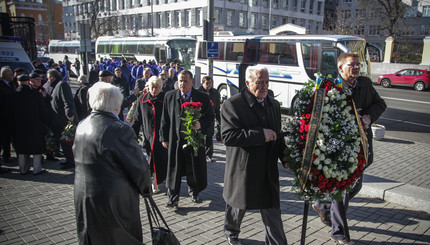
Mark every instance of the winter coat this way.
pixel 82 105
pixel 251 178
pixel 170 132
pixel 29 115
pixel 216 104
pixel 148 117
pixel 110 173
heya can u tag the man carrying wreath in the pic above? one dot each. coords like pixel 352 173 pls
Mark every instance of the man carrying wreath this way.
pixel 370 107
pixel 250 124
pixel 181 158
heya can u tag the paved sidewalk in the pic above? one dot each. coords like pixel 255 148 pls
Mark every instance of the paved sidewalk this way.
pixel 39 209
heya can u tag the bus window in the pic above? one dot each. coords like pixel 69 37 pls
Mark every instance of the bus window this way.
pixel 116 48
pixel 250 55
pixel 220 51
pixel 310 58
pixel 329 63
pixel 129 48
pixel 103 47
pixel 145 49
pixel 234 51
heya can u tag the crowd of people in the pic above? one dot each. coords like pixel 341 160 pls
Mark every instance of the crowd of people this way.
pixel 105 147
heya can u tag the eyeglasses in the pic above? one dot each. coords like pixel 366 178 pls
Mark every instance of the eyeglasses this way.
pixel 260 83
pixel 354 64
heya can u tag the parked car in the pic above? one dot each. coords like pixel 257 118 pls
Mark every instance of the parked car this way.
pixel 419 79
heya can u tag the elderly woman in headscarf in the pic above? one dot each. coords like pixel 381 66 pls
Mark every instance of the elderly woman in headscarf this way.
pixel 111 172
pixel 147 116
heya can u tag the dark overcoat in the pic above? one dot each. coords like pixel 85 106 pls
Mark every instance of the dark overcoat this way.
pixel 216 104
pixel 148 117
pixel 29 115
pixel 170 132
pixel 251 178
pixel 82 106
pixel 368 102
pixel 63 105
pixel 110 173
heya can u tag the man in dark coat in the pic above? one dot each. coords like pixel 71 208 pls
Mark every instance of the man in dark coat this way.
pixel 250 122
pixel 29 115
pixel 94 75
pixel 63 107
pixel 140 83
pixel 6 91
pixel 216 104
pixel 111 173
pixel 148 117
pixel 182 162
pixel 81 98
pixel 370 107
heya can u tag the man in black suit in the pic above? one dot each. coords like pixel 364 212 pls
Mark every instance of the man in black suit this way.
pixel 250 122
pixel 182 162
pixel 6 90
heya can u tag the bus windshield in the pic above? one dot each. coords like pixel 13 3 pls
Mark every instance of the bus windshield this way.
pixel 183 50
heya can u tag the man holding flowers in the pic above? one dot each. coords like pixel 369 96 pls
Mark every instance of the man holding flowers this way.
pixel 370 107
pixel 185 159
pixel 250 123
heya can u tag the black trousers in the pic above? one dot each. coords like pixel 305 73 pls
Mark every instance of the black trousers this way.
pixel 185 168
pixel 273 225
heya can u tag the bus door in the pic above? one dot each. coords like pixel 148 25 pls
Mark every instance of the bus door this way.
pixel 160 54
pixel 328 61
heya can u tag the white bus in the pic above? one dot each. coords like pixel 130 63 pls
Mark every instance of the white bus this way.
pixel 291 60
pixel 59 48
pixel 166 49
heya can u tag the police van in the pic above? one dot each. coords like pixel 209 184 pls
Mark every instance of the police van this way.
pixel 13 55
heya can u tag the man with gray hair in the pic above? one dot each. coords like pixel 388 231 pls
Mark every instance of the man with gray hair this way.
pixel 250 123
pixel 81 98
pixel 64 111
pixel 6 91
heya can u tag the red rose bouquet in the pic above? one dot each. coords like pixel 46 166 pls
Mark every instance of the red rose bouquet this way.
pixel 337 157
pixel 193 137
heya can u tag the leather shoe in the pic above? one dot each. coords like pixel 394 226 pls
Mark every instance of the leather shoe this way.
pixel 40 172
pixel 342 241
pixel 52 158
pixel 7 160
pixel 323 216
pixel 196 199
pixel 67 165
pixel 172 204
pixel 233 241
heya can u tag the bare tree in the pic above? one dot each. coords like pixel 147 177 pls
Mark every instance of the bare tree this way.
pixel 100 22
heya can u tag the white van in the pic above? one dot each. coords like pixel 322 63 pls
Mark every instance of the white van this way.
pixel 13 55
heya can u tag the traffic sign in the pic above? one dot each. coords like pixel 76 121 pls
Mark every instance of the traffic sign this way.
pixel 212 49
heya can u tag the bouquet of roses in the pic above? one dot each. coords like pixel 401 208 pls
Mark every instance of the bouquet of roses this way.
pixel 340 151
pixel 193 137
pixel 68 135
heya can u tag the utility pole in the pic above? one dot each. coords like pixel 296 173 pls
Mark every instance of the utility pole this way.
pixel 152 18
pixel 210 34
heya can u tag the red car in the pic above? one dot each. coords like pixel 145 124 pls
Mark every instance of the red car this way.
pixel 419 79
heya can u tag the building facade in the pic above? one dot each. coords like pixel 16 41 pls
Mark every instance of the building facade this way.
pixel 186 17
pixel 46 13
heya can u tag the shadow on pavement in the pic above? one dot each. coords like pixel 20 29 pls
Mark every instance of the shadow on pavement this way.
pixel 397 141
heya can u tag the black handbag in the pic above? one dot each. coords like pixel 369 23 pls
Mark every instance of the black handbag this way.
pixel 160 235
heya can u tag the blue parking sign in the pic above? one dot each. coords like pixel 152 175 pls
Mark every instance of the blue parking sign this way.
pixel 212 49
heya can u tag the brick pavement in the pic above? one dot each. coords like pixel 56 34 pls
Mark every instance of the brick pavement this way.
pixel 39 210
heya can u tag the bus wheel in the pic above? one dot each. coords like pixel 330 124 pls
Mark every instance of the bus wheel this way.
pixel 222 90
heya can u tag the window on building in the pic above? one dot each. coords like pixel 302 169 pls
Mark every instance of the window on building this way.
pixel 425 30
pixel 411 12
pixel 40 18
pixel 229 17
pixel 188 17
pixel 426 11
pixel 285 4
pixel 274 22
pixel 293 21
pixel 253 23
pixel 303 6
pixel 345 14
pixel 373 30
pixel 347 1
pixel 319 9
pixel 294 5
pixel 275 4
pixel 178 18
pixel 199 17
pixel 265 3
pixel 311 6
pixel 243 1
pixel 217 15
pixel 254 2
pixel 360 13
pixel 242 19
pixel 360 30
pixel 408 32
pixel 284 20
pixel 168 19
pixel 264 22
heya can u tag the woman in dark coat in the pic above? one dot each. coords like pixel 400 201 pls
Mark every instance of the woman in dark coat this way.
pixel 29 114
pixel 111 172
pixel 147 116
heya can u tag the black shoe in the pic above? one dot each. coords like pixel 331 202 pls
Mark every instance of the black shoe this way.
pixel 40 172
pixel 196 199
pixel 4 170
pixel 67 165
pixel 323 216
pixel 59 154
pixel 172 204
pixel 7 160
pixel 233 241
pixel 52 158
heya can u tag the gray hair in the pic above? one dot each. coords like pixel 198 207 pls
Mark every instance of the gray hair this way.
pixel 54 73
pixel 105 97
pixel 83 79
pixel 154 81
pixel 251 72
pixel 4 70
